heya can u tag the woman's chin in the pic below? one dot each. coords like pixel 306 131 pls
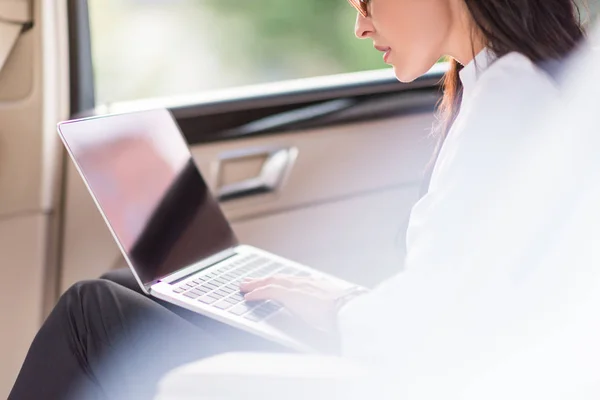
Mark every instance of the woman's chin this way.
pixel 408 72
pixel 404 75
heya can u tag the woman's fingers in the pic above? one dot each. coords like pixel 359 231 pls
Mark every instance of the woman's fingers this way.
pixel 313 300
pixel 249 285
pixel 278 293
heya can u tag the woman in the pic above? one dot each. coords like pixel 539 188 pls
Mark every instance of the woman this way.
pixel 495 85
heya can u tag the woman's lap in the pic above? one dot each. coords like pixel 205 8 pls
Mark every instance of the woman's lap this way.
pixel 110 340
pixel 236 339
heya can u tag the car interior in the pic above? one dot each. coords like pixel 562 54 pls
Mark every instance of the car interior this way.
pixel 313 148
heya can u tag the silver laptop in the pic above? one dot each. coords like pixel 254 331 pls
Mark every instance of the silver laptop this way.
pixel 171 230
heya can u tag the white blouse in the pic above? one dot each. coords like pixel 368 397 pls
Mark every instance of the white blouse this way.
pixel 471 242
pixel 501 297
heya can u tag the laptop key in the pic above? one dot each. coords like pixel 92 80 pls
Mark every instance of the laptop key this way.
pixel 200 291
pixel 254 274
pixel 210 286
pixel 207 299
pixel 220 293
pixel 237 296
pixel 219 281
pixel 233 287
pixel 263 272
pixel 191 295
pixel 223 305
pixel 273 267
pixel 288 271
pixel 255 304
pixel 179 290
pixel 232 300
pixel 228 289
pixel 240 309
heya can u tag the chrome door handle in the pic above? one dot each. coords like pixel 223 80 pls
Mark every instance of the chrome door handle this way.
pixel 275 167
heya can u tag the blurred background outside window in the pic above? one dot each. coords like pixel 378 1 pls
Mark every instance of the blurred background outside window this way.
pixel 159 48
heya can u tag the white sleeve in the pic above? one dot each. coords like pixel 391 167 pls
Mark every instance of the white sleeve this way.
pixel 438 315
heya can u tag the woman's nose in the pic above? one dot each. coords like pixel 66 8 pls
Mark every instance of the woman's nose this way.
pixel 363 27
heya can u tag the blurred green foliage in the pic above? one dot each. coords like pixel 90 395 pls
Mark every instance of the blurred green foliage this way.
pixel 314 28
pixel 156 48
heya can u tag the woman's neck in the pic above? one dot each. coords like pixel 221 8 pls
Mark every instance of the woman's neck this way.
pixel 465 40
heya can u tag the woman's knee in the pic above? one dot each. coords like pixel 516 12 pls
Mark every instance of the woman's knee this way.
pixel 89 301
pixel 84 311
pixel 123 277
pixel 93 288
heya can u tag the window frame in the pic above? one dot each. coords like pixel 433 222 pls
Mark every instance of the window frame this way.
pixel 219 116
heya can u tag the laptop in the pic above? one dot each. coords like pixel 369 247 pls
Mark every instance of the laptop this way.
pixel 171 230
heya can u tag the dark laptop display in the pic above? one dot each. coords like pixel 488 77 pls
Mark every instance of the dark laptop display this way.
pixel 141 172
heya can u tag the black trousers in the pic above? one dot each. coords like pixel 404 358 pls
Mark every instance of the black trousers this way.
pixel 105 339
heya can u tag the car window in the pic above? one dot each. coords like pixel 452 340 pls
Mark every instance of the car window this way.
pixel 156 48
pixel 589 10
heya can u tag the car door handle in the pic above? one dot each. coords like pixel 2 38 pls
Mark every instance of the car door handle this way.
pixel 276 165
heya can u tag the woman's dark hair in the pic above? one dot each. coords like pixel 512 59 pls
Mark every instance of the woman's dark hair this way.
pixel 542 30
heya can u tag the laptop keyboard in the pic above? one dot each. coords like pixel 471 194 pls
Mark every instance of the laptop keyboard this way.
pixel 220 287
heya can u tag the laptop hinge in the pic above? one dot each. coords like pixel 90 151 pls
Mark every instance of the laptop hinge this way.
pixel 192 269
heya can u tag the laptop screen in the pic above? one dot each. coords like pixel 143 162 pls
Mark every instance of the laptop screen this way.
pixel 143 177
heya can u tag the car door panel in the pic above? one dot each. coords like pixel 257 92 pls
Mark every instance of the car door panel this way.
pixel 332 163
pixel 348 168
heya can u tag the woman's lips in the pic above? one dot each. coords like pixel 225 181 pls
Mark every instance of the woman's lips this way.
pixel 386 51
pixel 387 55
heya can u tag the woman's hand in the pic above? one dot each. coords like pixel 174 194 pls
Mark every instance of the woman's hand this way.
pixel 312 299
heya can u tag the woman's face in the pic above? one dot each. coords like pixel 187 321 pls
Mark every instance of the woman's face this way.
pixel 412 34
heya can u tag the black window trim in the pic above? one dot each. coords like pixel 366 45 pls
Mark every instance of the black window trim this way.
pixel 81 79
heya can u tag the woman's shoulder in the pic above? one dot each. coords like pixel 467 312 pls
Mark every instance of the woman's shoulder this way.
pixel 508 97
pixel 516 73
pixel 516 85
